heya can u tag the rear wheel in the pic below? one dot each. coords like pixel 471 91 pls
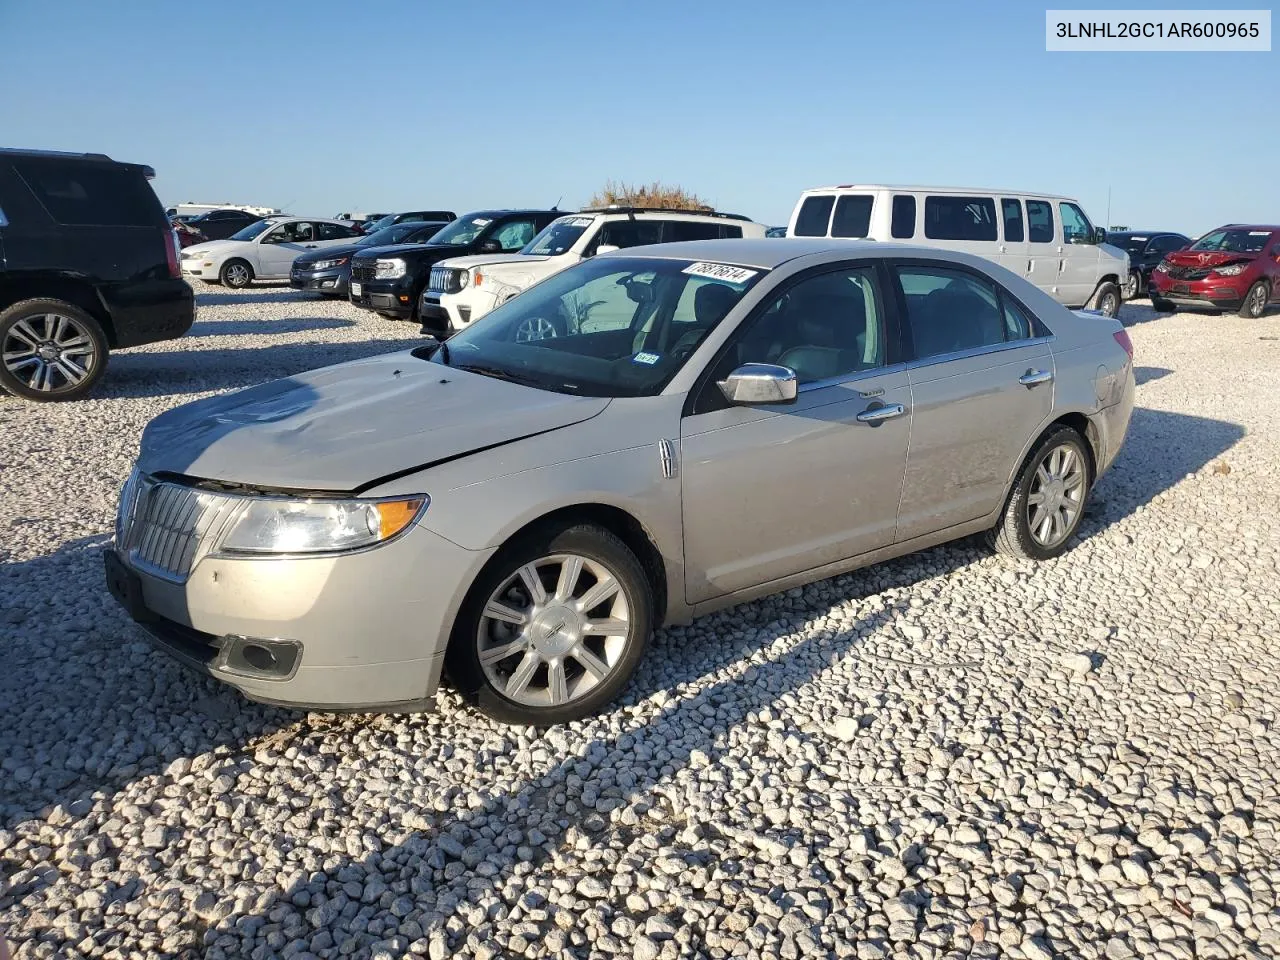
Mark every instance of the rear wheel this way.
pixel 50 350
pixel 554 628
pixel 1255 301
pixel 236 274
pixel 1047 502
pixel 1132 287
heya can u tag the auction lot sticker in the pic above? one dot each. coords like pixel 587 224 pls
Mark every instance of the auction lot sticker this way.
pixel 720 271
pixel 1158 30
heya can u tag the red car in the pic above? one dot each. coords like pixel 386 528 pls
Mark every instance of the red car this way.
pixel 1236 267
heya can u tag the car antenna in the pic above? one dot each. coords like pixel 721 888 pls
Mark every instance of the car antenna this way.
pixel 556 206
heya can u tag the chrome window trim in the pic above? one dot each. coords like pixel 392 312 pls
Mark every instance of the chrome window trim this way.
pixel 851 377
pixel 977 351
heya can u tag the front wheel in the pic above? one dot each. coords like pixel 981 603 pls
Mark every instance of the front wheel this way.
pixel 1255 301
pixel 1107 299
pixel 554 628
pixel 1132 287
pixel 51 350
pixel 1047 502
pixel 236 274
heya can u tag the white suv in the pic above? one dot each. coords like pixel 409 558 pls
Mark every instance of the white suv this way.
pixel 464 289
pixel 1043 238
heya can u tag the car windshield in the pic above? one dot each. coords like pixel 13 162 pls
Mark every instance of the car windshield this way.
pixel 557 237
pixel 1129 242
pixel 462 231
pixel 252 230
pixel 608 327
pixel 388 235
pixel 1233 241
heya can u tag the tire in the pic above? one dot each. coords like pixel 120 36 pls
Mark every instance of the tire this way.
pixel 592 668
pixel 1107 299
pixel 1255 301
pixel 50 350
pixel 1132 288
pixel 236 274
pixel 1163 306
pixel 1016 535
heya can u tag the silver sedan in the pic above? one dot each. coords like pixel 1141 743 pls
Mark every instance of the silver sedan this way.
pixel 650 435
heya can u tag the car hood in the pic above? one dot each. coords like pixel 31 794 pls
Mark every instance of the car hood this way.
pixel 421 251
pixel 1207 258
pixel 214 247
pixel 493 260
pixel 342 428
pixel 328 253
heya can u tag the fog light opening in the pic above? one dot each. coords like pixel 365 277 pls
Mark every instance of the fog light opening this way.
pixel 258 656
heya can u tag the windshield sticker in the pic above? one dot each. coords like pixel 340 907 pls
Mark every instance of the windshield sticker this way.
pixel 577 221
pixel 481 221
pixel 1259 233
pixel 648 359
pixel 1136 238
pixel 720 271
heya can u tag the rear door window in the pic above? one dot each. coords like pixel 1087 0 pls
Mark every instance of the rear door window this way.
pixel 853 216
pixel 91 194
pixel 959 218
pixel 730 233
pixel 1040 221
pixel 904 217
pixel 950 311
pixel 332 231
pixel 815 216
pixel 680 230
pixel 1011 209
pixel 630 233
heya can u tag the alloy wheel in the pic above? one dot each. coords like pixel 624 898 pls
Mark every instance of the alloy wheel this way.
pixel 50 353
pixel 237 275
pixel 554 630
pixel 1109 306
pixel 1056 496
pixel 535 328
pixel 1131 287
pixel 1257 301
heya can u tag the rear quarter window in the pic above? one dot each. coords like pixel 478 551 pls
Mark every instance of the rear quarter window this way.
pixel 853 216
pixel 815 216
pixel 92 194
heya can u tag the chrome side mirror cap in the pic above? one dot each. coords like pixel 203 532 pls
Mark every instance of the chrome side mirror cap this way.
pixel 754 383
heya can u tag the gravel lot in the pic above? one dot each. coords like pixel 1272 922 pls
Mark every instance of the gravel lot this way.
pixel 950 755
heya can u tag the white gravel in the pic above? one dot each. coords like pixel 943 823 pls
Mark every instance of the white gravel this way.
pixel 947 756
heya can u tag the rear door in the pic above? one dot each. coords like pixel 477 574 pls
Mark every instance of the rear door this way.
pixel 1013 237
pixel 1044 257
pixel 981 383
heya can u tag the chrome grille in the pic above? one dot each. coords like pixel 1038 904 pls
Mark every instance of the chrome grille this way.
pixel 1189 273
pixel 169 527
pixel 362 272
pixel 439 282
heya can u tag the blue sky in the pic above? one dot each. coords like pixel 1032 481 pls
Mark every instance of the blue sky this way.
pixel 326 106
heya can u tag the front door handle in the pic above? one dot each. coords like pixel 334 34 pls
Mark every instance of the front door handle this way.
pixel 1035 377
pixel 877 415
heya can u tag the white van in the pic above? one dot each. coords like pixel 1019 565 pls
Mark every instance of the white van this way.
pixel 1045 238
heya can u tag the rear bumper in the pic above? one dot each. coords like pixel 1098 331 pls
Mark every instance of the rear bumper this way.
pixel 150 311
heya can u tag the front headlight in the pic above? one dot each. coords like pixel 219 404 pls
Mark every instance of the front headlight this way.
pixel 128 495
pixel 329 264
pixel 392 269
pixel 463 279
pixel 1162 267
pixel 319 526
pixel 1232 271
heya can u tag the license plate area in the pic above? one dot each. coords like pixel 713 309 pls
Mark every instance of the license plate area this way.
pixel 355 289
pixel 1181 288
pixel 126 587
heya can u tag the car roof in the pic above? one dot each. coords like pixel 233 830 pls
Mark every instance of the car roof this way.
pixel 1247 226
pixel 1144 233
pixel 767 253
pixel 917 188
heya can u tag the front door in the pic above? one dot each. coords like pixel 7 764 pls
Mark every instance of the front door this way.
pixel 773 490
pixel 981 385
pixel 1044 251
pixel 1080 256
pixel 281 245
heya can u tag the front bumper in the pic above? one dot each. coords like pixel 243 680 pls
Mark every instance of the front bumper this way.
pixel 202 269
pixel 333 281
pixel 394 297
pixel 360 631
pixel 1217 293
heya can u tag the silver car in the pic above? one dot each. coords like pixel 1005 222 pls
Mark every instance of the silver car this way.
pixel 647 436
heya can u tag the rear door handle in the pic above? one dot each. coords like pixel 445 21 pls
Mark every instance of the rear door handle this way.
pixel 1034 377
pixel 877 415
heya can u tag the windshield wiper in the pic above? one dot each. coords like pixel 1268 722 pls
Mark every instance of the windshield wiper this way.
pixel 498 373
pixel 444 352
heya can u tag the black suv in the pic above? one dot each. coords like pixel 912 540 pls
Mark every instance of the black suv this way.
pixel 88 263
pixel 390 280
pixel 220 224
pixel 1146 248
pixel 380 221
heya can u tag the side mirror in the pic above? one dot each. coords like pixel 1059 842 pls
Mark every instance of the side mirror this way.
pixel 1099 235
pixel 755 383
pixel 490 246
pixel 606 248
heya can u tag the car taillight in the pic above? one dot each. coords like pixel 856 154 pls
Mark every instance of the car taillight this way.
pixel 1122 338
pixel 171 255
